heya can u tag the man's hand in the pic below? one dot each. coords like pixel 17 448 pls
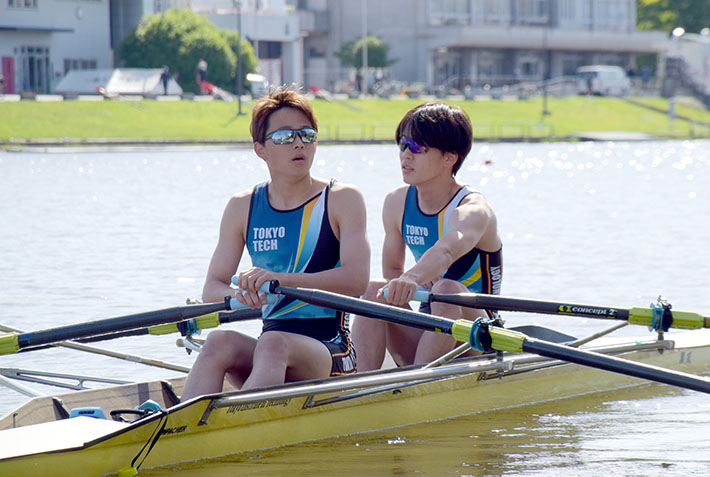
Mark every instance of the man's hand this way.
pixel 399 291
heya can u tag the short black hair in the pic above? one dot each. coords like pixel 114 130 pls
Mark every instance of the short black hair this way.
pixel 434 124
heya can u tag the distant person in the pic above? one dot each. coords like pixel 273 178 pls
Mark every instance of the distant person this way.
pixel 300 230
pixel 358 81
pixel 164 78
pixel 645 75
pixel 2 84
pixel 202 75
pixel 450 229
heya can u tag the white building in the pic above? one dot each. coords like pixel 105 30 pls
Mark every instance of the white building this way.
pixel 272 27
pixel 41 40
pixel 483 41
pixel 694 50
pixel 436 42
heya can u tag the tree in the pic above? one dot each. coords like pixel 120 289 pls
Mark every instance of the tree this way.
pixel 346 54
pixel 350 53
pixel 179 38
pixel 692 15
pixel 246 53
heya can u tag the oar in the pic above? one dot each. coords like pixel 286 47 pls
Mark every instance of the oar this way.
pixel 210 320
pixel 482 336
pixel 658 316
pixel 13 342
pixel 113 354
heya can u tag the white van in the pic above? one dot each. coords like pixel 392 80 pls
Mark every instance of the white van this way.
pixel 604 80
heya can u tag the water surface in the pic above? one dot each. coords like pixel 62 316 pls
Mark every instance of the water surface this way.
pixel 94 235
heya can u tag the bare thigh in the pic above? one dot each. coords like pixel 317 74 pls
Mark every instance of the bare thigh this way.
pixel 301 356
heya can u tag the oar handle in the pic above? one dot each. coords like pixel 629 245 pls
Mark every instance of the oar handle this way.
pixel 235 304
pixel 421 295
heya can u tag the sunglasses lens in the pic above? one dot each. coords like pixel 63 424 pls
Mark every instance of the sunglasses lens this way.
pixel 413 146
pixel 308 135
pixel 283 136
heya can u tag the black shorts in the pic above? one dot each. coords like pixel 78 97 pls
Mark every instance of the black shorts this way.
pixel 328 332
pixel 343 354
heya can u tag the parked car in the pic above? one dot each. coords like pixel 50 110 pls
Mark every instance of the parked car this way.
pixel 603 80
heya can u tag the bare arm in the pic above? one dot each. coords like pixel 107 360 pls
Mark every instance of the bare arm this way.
pixel 473 223
pixel 230 246
pixel 393 248
pixel 468 224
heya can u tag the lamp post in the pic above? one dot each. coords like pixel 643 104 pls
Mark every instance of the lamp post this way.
pixel 545 61
pixel 238 6
pixel 364 47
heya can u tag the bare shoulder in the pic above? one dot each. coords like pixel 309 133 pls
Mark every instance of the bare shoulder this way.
pixel 343 195
pixel 396 196
pixel 475 216
pixel 476 203
pixel 238 206
pixel 344 189
pixel 243 196
pixel 393 207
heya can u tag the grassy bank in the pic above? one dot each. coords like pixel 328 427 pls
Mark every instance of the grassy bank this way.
pixel 361 119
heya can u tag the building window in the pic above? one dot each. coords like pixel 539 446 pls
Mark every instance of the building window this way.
pixel 611 15
pixel 490 65
pixel 568 9
pixel 269 49
pixel 449 12
pixel 34 68
pixel 570 63
pixel 496 12
pixel 78 64
pixel 532 12
pixel 22 3
pixel 530 66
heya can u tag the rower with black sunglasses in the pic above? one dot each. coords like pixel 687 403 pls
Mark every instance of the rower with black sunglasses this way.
pixel 300 230
pixel 450 229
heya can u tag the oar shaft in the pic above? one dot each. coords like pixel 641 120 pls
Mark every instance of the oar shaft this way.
pixel 210 320
pixel 10 343
pixel 111 353
pixel 494 302
pixel 636 315
pixel 369 309
pixel 617 365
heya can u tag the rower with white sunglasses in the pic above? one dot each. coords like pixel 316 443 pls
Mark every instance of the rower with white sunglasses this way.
pixel 300 230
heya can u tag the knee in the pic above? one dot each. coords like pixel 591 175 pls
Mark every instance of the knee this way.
pixel 217 340
pixel 221 345
pixel 372 288
pixel 273 343
pixel 448 286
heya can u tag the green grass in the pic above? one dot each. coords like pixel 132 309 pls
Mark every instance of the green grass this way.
pixel 372 118
pixel 682 108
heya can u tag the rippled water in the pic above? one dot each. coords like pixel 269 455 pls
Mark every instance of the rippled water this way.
pixel 94 235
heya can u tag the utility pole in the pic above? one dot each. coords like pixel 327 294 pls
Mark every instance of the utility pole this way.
pixel 238 5
pixel 364 47
pixel 546 61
